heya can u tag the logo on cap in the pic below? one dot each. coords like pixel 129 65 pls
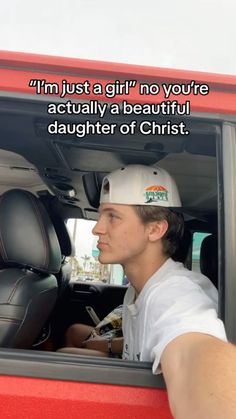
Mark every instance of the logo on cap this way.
pixel 155 193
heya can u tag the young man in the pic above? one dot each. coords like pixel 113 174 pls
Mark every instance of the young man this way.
pixel 169 312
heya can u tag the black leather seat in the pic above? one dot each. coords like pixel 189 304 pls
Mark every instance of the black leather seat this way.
pixel 55 328
pixel 30 256
pixel 67 249
pixel 208 258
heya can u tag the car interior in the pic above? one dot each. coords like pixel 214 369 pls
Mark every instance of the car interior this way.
pixel 49 179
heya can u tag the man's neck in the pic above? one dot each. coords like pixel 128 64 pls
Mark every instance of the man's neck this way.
pixel 139 273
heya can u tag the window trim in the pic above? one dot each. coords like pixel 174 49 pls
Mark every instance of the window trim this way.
pixel 68 367
pixel 227 228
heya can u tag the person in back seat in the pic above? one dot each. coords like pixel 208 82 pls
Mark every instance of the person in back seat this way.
pixel 82 339
pixel 169 313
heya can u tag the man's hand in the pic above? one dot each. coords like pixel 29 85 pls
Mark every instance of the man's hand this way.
pixel 97 343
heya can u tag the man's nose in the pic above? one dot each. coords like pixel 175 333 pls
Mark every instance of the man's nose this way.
pixel 99 228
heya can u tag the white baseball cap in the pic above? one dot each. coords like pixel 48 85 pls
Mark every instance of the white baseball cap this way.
pixel 140 185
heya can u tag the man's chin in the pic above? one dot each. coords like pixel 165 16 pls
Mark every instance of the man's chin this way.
pixel 106 259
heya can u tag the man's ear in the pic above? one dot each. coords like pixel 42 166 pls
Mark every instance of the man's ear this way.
pixel 157 230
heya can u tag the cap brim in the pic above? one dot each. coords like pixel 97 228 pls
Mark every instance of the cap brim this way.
pixel 190 213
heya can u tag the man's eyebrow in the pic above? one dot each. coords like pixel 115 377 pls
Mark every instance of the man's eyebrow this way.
pixel 108 209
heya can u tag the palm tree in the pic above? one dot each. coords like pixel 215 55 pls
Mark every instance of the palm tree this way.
pixel 85 258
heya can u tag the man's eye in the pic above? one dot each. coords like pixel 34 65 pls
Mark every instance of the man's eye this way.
pixel 112 216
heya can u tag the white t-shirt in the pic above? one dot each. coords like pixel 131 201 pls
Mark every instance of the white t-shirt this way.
pixel 173 301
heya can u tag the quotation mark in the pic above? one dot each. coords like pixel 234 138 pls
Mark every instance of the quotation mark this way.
pixel 32 83
pixel 132 83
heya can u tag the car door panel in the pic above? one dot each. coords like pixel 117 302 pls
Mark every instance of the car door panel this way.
pixel 84 387
pixel 101 297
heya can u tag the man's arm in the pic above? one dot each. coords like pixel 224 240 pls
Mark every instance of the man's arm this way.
pixel 101 344
pixel 200 375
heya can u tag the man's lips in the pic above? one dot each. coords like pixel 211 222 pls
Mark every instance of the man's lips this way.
pixel 101 245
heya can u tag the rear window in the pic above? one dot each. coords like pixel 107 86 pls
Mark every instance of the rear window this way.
pixel 198 238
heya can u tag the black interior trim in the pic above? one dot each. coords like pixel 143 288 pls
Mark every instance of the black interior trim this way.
pixel 67 367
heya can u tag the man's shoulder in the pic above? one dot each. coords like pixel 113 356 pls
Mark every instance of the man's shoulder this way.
pixel 175 271
pixel 178 280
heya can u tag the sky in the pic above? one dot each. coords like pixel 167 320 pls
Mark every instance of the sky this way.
pixel 185 34
pixel 85 241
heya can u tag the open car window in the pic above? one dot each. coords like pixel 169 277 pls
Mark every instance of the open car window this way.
pixel 85 263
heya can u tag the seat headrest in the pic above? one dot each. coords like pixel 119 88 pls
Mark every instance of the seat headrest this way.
pixel 208 258
pixel 65 240
pixel 185 242
pixel 27 236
